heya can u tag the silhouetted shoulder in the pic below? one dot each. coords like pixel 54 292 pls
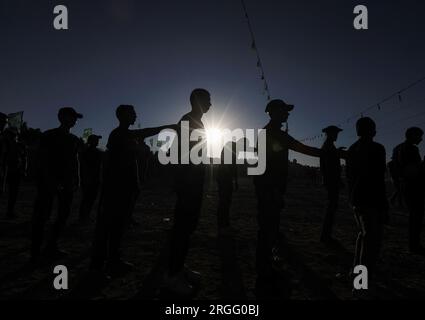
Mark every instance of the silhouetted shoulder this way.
pixel 379 147
pixel 193 123
pixel 114 138
pixel 56 135
pixel 49 133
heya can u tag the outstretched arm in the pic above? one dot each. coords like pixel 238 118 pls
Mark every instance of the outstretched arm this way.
pixel 148 132
pixel 297 146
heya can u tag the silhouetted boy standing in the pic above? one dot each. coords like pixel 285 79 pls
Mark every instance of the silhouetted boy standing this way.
pixel 91 167
pixel 57 176
pixel 366 167
pixel 330 166
pixel 412 182
pixel 270 188
pixel 120 190
pixel 189 186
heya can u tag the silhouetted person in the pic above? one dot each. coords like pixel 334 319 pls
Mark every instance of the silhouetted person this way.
pixel 119 192
pixel 366 167
pixel 90 171
pixel 394 170
pixel 15 163
pixel 145 162
pixel 227 180
pixel 57 177
pixel 270 189
pixel 330 167
pixel 3 123
pixel 189 185
pixel 412 181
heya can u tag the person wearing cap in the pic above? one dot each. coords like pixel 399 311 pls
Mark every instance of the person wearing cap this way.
pixel 366 168
pixel 57 177
pixel 270 189
pixel 119 192
pixel 412 182
pixel 330 167
pixel 90 172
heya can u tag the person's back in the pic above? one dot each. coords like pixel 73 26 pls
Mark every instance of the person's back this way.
pixel 412 181
pixel 120 191
pixel 91 163
pixel 189 174
pixel 409 162
pixel 189 181
pixel 57 176
pixel 14 155
pixel 366 166
pixel 58 155
pixel 122 157
pixel 277 150
pixel 330 165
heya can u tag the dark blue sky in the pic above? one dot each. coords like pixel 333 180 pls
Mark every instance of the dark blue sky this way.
pixel 153 53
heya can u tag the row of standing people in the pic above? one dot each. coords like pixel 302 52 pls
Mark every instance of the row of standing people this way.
pixel 366 167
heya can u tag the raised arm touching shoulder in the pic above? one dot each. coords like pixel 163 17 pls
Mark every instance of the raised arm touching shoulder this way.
pixel 297 146
pixel 148 132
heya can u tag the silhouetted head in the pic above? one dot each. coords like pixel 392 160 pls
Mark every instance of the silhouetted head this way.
pixel 68 117
pixel 366 127
pixel 93 140
pixel 278 110
pixel 414 135
pixel 332 132
pixel 200 99
pixel 126 114
pixel 3 121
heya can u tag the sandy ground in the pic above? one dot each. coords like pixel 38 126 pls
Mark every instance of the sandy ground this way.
pixel 227 262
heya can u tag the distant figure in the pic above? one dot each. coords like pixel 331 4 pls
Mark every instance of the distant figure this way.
pixel 330 167
pixel 3 121
pixel 57 177
pixel 119 192
pixel 270 189
pixel 91 167
pixel 189 186
pixel 366 167
pixel 227 181
pixel 412 183
pixel 394 170
pixel 15 157
pixel 145 162
pixel 3 124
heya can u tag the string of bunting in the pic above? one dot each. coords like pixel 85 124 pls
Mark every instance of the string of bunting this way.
pixel 377 106
pixel 254 47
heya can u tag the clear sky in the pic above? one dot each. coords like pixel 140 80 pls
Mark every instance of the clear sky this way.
pixel 153 53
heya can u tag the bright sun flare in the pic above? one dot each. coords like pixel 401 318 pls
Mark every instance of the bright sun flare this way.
pixel 214 141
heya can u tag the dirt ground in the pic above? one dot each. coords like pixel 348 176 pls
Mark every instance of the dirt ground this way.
pixel 227 262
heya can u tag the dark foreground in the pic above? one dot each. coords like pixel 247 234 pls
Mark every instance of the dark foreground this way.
pixel 226 261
